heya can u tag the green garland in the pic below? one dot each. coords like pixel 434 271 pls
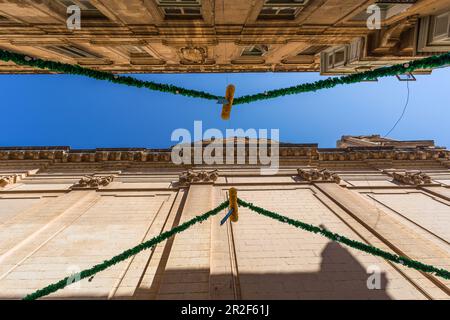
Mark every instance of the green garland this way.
pixel 125 255
pixel 199 219
pixel 59 67
pixel 351 243
pixel 425 63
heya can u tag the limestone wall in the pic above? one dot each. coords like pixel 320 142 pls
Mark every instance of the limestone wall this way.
pixel 54 222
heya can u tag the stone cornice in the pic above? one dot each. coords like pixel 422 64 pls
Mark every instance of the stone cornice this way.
pixel 286 151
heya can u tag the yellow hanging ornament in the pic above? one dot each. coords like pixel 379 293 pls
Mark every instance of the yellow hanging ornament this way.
pixel 229 96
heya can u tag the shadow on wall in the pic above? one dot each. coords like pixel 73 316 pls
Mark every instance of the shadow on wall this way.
pixel 341 277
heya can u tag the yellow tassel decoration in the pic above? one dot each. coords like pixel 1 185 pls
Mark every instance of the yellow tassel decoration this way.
pixel 229 95
pixel 232 194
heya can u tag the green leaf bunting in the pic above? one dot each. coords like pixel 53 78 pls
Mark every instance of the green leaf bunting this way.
pixel 425 63
pixel 351 243
pixel 199 219
pixel 124 255
pixel 58 67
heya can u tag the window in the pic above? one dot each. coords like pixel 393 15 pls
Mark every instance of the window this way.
pixel 336 57
pixel 311 50
pixel 135 51
pixel 333 58
pixel 181 9
pixel 255 51
pixel 441 28
pixel 355 50
pixel 281 9
pixel 339 57
pixel 71 51
pixel 434 34
pixel 344 58
pixel 88 10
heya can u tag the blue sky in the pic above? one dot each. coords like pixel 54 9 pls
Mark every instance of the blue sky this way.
pixel 63 110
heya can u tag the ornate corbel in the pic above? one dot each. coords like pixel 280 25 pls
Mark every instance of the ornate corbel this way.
pixel 64 156
pixel 188 177
pixel 411 178
pixel 5 180
pixel 315 175
pixel 49 155
pixel 17 155
pixel 32 155
pixel 391 36
pixel 142 156
pixel 4 155
pixel 93 182
pixel 115 155
pixel 101 156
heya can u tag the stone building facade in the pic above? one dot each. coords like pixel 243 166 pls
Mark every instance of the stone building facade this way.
pixel 64 210
pixel 330 36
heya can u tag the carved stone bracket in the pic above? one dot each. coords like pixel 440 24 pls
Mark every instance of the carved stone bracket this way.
pixel 318 175
pixel 411 178
pixel 188 177
pixel 5 180
pixel 93 182
pixel 391 36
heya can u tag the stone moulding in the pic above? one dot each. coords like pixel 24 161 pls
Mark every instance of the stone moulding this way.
pixel 63 156
pixel 312 153
pixel 363 155
pixel 189 177
pixel 314 175
pixel 95 182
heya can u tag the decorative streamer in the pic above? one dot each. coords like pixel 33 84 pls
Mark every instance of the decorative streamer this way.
pixel 199 219
pixel 124 255
pixel 351 243
pixel 425 63
pixel 59 67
